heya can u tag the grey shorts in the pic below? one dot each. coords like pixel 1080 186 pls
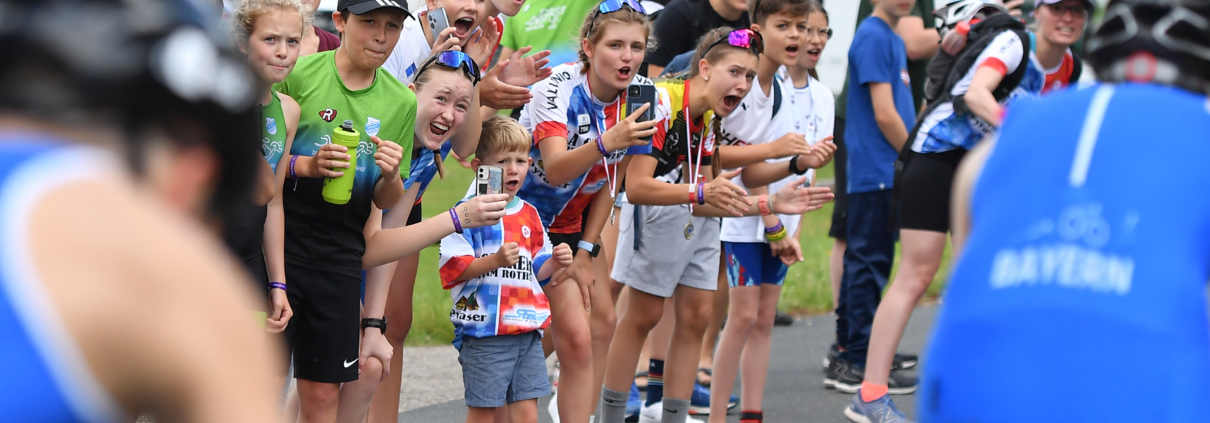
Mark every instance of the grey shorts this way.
pixel 664 258
pixel 501 370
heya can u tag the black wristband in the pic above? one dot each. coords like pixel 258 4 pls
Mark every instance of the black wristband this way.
pixel 381 324
pixel 794 166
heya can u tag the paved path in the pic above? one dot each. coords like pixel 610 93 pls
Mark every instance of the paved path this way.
pixel 794 392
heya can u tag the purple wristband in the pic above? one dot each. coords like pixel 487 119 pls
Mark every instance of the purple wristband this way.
pixel 601 146
pixel 292 174
pixel 774 229
pixel 454 216
pixel 277 285
pixel 701 198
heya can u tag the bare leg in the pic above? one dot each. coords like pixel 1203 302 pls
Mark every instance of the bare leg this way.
pixel 693 309
pixel 384 408
pixel 480 415
pixel 643 312
pixel 573 343
pixel 602 321
pixel 836 269
pixel 355 396
pixel 918 265
pixel 754 363
pixel 710 338
pixel 740 321
pixel 523 411
pixel 317 401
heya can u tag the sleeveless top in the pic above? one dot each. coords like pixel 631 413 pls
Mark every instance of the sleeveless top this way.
pixel 1083 283
pixel 244 233
pixel 46 379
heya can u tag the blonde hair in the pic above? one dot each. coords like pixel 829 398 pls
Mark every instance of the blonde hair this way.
pixel 502 133
pixel 715 54
pixel 597 22
pixel 250 11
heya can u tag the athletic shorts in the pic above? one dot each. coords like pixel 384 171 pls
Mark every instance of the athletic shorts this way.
pixel 416 215
pixel 572 240
pixel 326 328
pixel 840 204
pixel 924 196
pixel 501 370
pixel 753 264
pixel 654 256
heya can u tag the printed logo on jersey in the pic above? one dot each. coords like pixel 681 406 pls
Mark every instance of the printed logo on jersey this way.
pixel 525 232
pixel 548 18
pixel 271 126
pixel 271 148
pixel 372 126
pixel 524 317
pixel 907 79
pixel 328 114
pixel 552 89
pixel 585 123
pixel 467 309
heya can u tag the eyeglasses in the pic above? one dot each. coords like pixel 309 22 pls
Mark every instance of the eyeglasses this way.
pixel 824 33
pixel 743 38
pixel 453 60
pixel 610 6
pixel 1060 9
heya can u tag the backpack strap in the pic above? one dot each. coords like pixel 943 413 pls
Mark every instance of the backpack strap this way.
pixel 1077 67
pixel 776 97
pixel 1010 81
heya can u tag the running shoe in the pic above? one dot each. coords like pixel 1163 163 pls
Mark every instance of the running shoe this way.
pixel 782 319
pixel 833 352
pixel 654 412
pixel 634 404
pixel 699 402
pixel 849 381
pixel 881 410
pixel 901 361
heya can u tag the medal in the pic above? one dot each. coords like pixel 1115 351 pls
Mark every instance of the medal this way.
pixel 689 229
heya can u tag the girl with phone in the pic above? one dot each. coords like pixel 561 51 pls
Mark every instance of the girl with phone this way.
pixel 583 146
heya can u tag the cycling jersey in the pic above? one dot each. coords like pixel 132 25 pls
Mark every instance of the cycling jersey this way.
pixel 1060 76
pixel 273 135
pixel 424 168
pixel 412 49
pixel 563 106
pixel 503 301
pixel 945 130
pixel 670 146
pixel 1082 286
pixel 46 377
pixel 756 122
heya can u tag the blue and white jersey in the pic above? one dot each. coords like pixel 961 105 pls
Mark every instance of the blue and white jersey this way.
pixel 944 130
pixel 45 377
pixel 424 168
pixel 563 106
pixel 1082 287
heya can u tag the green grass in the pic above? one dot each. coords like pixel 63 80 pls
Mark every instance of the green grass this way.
pixel 807 289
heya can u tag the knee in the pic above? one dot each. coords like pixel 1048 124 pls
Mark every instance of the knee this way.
pixel 696 319
pixel 744 319
pixel 603 323
pixel 400 323
pixel 316 397
pixel 576 347
pixel 643 319
pixel 764 320
pixel 371 370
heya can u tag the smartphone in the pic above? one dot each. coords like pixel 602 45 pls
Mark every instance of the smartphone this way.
pixel 438 22
pixel 636 96
pixel 489 180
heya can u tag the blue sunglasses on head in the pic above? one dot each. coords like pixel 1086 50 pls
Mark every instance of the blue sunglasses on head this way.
pixel 610 6
pixel 453 60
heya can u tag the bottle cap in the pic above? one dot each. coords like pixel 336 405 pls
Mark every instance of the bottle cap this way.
pixel 347 126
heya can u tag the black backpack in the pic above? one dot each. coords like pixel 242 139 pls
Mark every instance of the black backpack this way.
pixel 946 70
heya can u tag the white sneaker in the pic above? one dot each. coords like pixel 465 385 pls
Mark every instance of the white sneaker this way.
pixel 553 408
pixel 654 412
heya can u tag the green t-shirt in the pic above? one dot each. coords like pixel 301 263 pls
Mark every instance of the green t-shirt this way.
pixel 548 25
pixel 273 134
pixel 917 69
pixel 323 235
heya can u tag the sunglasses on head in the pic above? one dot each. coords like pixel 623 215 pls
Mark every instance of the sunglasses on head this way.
pixel 453 60
pixel 744 38
pixel 610 6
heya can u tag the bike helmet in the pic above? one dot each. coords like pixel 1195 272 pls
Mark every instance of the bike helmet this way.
pixel 946 17
pixel 1164 42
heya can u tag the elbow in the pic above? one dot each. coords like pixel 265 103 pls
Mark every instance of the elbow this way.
pixel 924 48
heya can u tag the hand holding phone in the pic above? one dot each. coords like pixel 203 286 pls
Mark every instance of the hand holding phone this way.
pixel 639 126
pixel 489 180
pixel 438 21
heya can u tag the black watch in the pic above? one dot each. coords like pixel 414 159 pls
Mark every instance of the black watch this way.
pixel 794 166
pixel 591 248
pixel 381 324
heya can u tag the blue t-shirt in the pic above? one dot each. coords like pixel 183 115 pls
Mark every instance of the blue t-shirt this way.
pixel 1080 270
pixel 877 55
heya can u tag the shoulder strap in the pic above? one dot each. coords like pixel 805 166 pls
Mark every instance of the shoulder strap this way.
pixel 1077 67
pixel 776 97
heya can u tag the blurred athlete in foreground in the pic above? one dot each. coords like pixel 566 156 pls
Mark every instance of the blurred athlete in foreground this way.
pixel 111 301
pixel 1074 267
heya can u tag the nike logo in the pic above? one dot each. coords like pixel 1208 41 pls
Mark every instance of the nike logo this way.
pixel 670 410
pixel 350 363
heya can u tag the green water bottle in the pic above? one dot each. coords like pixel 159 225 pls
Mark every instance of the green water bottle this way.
pixel 339 190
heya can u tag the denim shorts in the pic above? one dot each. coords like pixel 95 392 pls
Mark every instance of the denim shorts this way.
pixel 501 370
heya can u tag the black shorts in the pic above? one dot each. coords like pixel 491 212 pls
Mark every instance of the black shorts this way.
pixel 924 196
pixel 325 330
pixel 416 215
pixel 572 240
pixel 840 204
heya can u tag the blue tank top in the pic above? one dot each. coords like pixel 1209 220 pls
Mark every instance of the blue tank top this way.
pixel 44 379
pixel 1082 292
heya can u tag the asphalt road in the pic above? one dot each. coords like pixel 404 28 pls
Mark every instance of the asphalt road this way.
pixel 794 391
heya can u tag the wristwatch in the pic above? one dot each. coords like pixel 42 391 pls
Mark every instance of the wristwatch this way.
pixel 381 324
pixel 591 248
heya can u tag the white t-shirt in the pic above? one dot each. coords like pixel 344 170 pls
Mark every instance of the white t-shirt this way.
pixel 814 113
pixel 754 122
pixel 412 49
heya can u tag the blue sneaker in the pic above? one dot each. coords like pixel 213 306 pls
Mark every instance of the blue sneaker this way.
pixel 881 410
pixel 634 404
pixel 699 402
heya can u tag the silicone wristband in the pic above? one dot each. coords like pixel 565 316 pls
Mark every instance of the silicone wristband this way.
pixel 277 285
pixel 701 197
pixel 292 161
pixel 774 229
pixel 601 146
pixel 691 195
pixel 778 236
pixel 454 217
pixel 763 203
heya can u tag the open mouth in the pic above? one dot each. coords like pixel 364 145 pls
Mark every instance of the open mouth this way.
pixel 512 185
pixel 1066 30
pixel 462 26
pixel 624 72
pixel 814 53
pixel 731 102
pixel 438 129
pixel 792 50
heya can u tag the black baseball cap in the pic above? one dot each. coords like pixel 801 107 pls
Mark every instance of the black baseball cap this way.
pixel 361 7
